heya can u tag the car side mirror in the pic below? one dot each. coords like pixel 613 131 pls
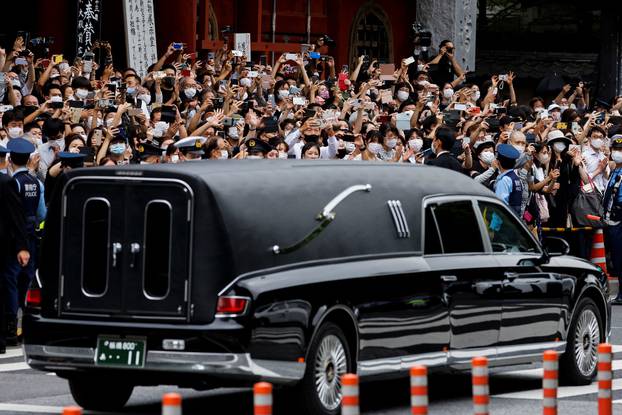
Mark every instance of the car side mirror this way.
pixel 554 246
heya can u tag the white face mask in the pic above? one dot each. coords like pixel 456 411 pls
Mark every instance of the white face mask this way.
pixel 284 93
pixel 520 148
pixel 282 155
pixel 448 93
pixel 82 93
pixel 190 92
pixel 420 67
pixel 146 98
pixel 597 143
pixel 544 158
pixel 350 146
pixel 15 132
pixel 487 157
pixel 374 147
pixel 392 143
pixel 174 158
pixel 616 156
pixel 224 154
pixel 476 95
pixel 564 107
pixel 254 157
pixel 246 82
pixel 415 144
pixel 559 147
pixel 402 96
pixel 109 122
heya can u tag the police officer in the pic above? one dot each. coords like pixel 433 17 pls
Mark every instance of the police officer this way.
pixel 509 186
pixel 30 192
pixel 191 147
pixel 3 160
pixel 612 204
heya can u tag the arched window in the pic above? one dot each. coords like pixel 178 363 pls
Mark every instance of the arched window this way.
pixel 371 34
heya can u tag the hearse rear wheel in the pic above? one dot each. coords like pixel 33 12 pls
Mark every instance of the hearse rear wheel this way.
pixel 328 359
pixel 100 393
pixel 579 363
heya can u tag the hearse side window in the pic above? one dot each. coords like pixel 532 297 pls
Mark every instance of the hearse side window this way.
pixel 505 234
pixel 432 240
pixel 157 256
pixel 458 228
pixel 95 246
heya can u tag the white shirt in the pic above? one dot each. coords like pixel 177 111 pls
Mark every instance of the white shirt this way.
pixel 48 155
pixel 592 160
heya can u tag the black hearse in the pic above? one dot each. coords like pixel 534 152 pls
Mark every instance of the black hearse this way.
pixel 226 273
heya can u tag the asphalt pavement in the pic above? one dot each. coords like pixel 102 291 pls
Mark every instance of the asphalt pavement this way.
pixel 25 391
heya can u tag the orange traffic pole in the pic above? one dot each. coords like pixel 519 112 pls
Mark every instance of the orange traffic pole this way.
pixel 604 379
pixel 481 396
pixel 262 392
pixel 171 404
pixel 350 394
pixel 550 383
pixel 72 410
pixel 419 390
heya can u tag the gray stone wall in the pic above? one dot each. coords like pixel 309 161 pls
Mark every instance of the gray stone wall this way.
pixel 451 19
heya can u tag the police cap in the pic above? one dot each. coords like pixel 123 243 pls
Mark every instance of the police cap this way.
pixel 255 145
pixel 20 146
pixel 507 151
pixel 73 160
pixel 616 141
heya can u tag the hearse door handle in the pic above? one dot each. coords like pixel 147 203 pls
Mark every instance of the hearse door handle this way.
pixel 116 249
pixel 449 278
pixel 134 250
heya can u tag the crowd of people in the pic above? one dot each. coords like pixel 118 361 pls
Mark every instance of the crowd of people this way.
pixel 557 164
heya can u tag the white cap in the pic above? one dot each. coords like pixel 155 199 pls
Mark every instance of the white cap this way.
pixel 554 107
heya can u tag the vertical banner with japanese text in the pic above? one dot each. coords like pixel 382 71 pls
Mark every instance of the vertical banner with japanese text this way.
pixel 242 42
pixel 140 34
pixel 89 25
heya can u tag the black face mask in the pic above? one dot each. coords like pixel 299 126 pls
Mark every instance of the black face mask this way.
pixel 168 82
pixel 342 152
pixel 312 138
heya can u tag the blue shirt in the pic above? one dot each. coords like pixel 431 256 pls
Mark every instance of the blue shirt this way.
pixel 503 187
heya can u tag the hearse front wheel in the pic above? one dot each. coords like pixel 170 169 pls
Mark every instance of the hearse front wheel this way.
pixel 579 362
pixel 328 360
pixel 100 393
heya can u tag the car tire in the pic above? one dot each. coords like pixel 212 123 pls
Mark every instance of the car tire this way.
pixel 99 393
pixel 327 360
pixel 578 364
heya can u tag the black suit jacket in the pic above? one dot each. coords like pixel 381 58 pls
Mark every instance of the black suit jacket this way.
pixel 13 236
pixel 447 161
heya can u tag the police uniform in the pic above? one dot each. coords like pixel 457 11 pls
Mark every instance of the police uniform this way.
pixel 30 193
pixel 509 187
pixel 612 205
pixel 3 153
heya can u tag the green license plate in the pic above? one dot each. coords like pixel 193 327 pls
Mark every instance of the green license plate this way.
pixel 114 351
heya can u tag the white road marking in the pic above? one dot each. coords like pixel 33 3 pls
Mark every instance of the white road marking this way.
pixel 11 367
pixel 562 392
pixel 12 353
pixel 14 407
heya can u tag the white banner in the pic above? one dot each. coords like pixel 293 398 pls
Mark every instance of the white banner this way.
pixel 140 34
pixel 89 23
pixel 242 42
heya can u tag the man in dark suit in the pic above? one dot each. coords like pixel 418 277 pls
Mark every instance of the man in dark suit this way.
pixel 13 241
pixel 444 140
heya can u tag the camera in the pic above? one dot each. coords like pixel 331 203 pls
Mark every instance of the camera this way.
pixel 421 38
pixel 44 41
pixel 503 77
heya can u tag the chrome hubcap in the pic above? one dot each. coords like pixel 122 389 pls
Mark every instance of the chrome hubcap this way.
pixel 587 337
pixel 330 365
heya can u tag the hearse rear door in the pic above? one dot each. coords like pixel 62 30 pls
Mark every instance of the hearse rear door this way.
pixel 126 248
pixel 157 249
